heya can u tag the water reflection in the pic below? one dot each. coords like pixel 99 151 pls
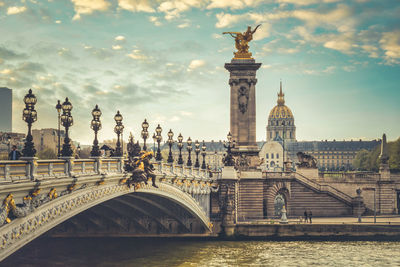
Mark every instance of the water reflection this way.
pixel 183 252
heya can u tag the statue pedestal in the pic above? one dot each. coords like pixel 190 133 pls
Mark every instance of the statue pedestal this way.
pixel 243 111
pixel 311 173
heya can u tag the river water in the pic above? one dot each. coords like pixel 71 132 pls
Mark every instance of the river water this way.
pixel 184 252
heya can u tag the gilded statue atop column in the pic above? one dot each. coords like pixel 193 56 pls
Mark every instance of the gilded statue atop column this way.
pixel 242 42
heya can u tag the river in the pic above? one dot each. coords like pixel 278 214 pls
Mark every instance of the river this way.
pixel 191 252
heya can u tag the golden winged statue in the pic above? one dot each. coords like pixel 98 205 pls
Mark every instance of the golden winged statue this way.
pixel 242 42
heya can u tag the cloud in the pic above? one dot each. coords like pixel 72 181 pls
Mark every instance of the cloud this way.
pixel 184 24
pixel 390 44
pixel 233 4
pixel 86 7
pixel 120 38
pixel 262 32
pixel 58 21
pixel 225 20
pixel 155 20
pixel 136 5
pixel 6 53
pixel 12 10
pixel 117 47
pixel 173 8
pixel 196 63
pixel 137 55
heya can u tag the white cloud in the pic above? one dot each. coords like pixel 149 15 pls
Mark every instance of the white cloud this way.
pixel 58 21
pixel 390 44
pixel 217 35
pixel 86 7
pixel 225 20
pixel 155 20
pixel 120 38
pixel 233 4
pixel 1 3
pixel 116 47
pixel 184 24
pixel 12 10
pixel 5 71
pixel 136 5
pixel 262 32
pixel 173 8
pixel 196 63
pixel 137 55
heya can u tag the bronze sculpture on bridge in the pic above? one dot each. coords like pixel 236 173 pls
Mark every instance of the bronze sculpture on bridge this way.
pixel 242 42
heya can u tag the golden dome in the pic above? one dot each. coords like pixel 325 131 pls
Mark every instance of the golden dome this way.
pixel 281 111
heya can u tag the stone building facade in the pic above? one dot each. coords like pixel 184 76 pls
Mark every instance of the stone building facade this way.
pixel 282 145
pixel 47 138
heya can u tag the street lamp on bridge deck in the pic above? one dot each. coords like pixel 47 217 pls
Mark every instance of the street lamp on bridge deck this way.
pixel 29 115
pixel 189 149
pixel 180 146
pixel 145 133
pixel 59 108
pixel 67 121
pixel 197 150
pixel 228 160
pixel 203 153
pixel 170 143
pixel 118 129
pixel 159 139
pixel 95 124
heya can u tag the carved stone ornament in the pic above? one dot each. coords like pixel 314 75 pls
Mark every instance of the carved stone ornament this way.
pixel 243 99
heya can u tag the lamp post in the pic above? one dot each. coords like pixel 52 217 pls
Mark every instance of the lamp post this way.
pixel 159 139
pixel 145 133
pixel 197 151
pixel 96 126
pixel 67 121
pixel 154 143
pixel 29 115
pixel 59 108
pixel 189 149
pixel 203 153
pixel 170 143
pixel 228 160
pixel 118 129
pixel 180 146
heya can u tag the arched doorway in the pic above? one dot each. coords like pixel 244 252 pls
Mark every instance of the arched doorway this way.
pixel 279 202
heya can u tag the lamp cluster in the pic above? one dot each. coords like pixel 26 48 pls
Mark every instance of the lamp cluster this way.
pixel 66 120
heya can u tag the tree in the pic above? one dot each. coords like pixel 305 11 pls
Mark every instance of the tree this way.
pixel 47 153
pixel 362 160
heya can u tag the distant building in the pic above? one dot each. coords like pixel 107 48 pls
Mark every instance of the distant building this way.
pixel 5 109
pixel 47 138
pixel 282 145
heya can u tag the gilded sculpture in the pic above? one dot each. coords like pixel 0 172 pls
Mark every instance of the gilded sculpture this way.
pixel 242 42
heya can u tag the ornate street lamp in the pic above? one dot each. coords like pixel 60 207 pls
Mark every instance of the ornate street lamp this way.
pixel 197 150
pixel 170 143
pixel 29 115
pixel 67 121
pixel 189 149
pixel 145 133
pixel 154 142
pixel 159 139
pixel 228 160
pixel 118 129
pixel 96 126
pixel 203 153
pixel 180 146
pixel 59 108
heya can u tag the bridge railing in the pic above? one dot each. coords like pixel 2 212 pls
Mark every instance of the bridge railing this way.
pixel 349 175
pixel 31 169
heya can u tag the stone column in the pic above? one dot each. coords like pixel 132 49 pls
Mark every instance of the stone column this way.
pixel 227 200
pixel 243 108
pixel 32 166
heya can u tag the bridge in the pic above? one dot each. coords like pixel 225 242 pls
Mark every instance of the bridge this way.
pixel 91 196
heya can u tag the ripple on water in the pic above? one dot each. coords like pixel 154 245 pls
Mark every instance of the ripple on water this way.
pixel 172 252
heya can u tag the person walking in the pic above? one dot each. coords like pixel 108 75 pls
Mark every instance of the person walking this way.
pixel 305 216
pixel 310 216
pixel 14 154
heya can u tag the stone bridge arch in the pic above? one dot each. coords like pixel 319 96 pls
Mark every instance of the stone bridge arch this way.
pixel 51 214
pixel 274 189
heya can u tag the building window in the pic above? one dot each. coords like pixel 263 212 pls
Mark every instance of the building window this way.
pixel 291 135
pixel 272 156
pixel 266 156
pixel 277 155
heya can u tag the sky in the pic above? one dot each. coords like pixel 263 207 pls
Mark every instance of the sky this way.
pixel 339 62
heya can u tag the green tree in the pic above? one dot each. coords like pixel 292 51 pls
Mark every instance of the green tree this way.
pixel 394 156
pixel 47 153
pixel 362 160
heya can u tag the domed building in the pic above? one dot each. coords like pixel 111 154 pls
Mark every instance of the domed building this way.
pixel 281 121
